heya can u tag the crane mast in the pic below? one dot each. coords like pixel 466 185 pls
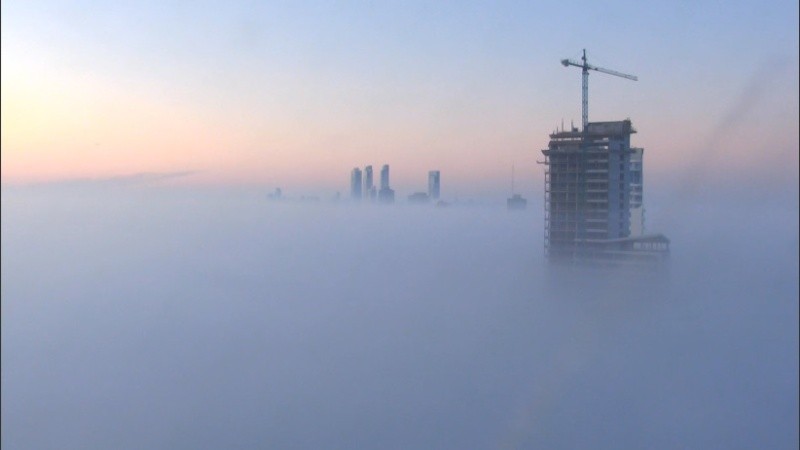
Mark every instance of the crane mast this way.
pixel 585 66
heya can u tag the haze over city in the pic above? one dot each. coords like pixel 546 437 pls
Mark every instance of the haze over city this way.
pixel 159 291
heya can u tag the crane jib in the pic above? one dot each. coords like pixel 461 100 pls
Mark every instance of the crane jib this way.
pixel 585 85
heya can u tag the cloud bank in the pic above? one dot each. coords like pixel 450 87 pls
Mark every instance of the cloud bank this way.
pixel 183 320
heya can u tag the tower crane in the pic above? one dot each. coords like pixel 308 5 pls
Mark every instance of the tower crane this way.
pixel 586 68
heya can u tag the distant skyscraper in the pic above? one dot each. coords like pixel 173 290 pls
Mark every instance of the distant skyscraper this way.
pixel 386 194
pixel 355 184
pixel 369 186
pixel 385 177
pixel 367 178
pixel 433 184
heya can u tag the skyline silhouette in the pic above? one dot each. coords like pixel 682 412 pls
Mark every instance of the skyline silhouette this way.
pixel 291 95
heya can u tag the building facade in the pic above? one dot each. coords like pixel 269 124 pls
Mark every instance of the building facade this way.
pixel 385 194
pixel 593 192
pixel 369 186
pixel 637 192
pixel 433 184
pixel 355 184
pixel 385 176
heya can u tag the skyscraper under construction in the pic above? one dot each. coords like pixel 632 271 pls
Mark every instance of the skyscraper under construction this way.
pixel 593 191
pixel 593 197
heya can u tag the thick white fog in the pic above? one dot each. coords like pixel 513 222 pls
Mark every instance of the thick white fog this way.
pixel 164 319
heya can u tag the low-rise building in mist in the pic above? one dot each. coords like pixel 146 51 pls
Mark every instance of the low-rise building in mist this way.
pixel 386 195
pixel 275 195
pixel 418 198
pixel 516 202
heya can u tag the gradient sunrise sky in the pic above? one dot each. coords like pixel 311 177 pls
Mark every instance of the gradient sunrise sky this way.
pixel 295 94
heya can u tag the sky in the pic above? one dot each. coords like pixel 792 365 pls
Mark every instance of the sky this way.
pixel 296 94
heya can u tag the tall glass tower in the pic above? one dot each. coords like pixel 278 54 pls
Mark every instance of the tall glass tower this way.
pixel 386 194
pixel 433 184
pixel 355 184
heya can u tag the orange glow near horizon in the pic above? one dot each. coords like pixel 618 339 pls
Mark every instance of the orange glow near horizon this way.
pixel 67 126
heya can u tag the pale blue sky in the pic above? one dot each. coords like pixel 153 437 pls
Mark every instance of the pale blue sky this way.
pixel 416 84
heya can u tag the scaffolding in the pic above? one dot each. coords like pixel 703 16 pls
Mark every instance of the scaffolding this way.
pixel 592 180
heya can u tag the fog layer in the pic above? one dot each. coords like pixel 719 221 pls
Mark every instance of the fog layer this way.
pixel 155 319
